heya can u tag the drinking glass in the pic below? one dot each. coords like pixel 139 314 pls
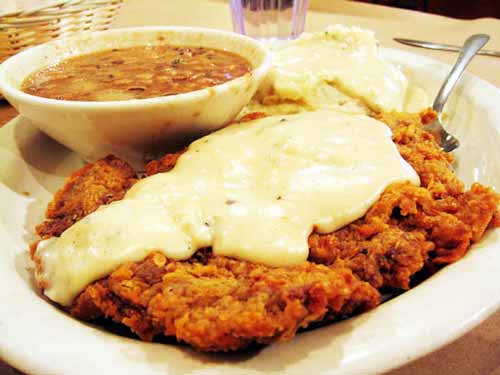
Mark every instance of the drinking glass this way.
pixel 266 19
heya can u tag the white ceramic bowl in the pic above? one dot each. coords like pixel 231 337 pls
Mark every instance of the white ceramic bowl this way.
pixel 133 129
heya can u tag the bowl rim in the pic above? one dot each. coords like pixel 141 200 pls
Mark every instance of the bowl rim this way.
pixel 9 90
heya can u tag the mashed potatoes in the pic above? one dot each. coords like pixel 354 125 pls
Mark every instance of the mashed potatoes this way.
pixel 340 68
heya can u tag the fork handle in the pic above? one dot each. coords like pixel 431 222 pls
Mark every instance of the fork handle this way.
pixel 470 48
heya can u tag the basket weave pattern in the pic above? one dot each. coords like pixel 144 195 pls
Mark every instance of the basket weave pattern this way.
pixel 24 29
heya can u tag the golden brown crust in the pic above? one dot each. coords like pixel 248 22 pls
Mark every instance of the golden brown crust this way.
pixel 86 190
pixel 216 303
pixel 220 303
pixel 411 226
pixel 420 150
pixel 252 116
pixel 386 257
pixel 163 164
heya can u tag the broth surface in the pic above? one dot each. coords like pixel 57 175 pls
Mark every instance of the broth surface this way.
pixel 136 73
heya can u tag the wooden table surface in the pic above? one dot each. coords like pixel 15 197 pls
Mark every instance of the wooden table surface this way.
pixel 477 352
pixel 7 113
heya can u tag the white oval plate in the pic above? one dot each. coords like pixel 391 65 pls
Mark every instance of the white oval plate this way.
pixel 36 337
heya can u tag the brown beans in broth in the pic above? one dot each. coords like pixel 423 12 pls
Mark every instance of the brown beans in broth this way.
pixel 136 73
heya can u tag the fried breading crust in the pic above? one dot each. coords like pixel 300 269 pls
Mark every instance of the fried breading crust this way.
pixel 216 303
pixel 94 185
pixel 410 227
pixel 164 164
pixel 219 303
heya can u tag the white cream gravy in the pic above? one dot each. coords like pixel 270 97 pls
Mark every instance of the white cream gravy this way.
pixel 253 191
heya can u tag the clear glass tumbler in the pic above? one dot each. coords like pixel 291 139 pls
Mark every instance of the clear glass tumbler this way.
pixel 280 19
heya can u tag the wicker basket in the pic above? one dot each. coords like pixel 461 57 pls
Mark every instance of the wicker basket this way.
pixel 27 28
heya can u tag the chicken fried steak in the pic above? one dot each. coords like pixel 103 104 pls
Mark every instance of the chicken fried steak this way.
pixel 217 303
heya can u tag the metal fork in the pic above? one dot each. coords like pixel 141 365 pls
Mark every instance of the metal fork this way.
pixel 472 45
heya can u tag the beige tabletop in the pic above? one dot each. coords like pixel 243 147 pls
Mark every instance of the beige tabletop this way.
pixel 477 352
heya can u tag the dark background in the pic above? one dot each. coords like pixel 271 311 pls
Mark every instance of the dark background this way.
pixel 452 8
